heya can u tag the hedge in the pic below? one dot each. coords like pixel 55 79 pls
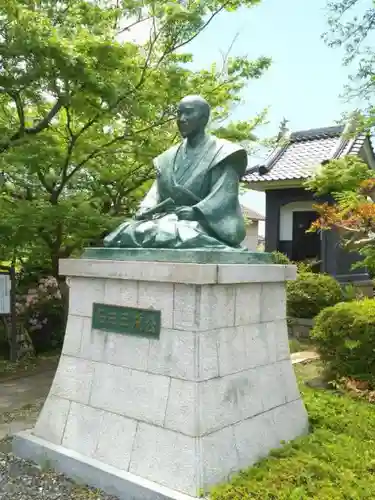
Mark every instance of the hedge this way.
pixel 310 293
pixel 345 337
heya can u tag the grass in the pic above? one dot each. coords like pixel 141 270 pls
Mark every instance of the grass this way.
pixel 28 366
pixel 336 461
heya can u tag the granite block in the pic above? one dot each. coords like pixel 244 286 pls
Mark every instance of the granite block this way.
pixel 288 377
pixel 82 429
pixel 273 302
pixel 271 386
pixel 290 421
pixel 126 350
pixel 52 419
pixel 226 400
pixel 160 272
pixel 181 414
pixel 232 353
pixel 73 335
pixel 219 456
pixel 257 351
pixel 166 457
pixel 248 304
pixel 94 342
pixel 173 354
pixel 121 293
pixel 186 304
pixel 131 393
pixel 241 348
pixel 254 438
pixel 157 296
pixel 207 355
pixel 83 293
pixel 216 307
pixel 115 442
pixel 73 379
pixel 251 273
pixel 276 334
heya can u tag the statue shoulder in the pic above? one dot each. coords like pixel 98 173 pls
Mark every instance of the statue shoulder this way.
pixel 166 158
pixel 230 151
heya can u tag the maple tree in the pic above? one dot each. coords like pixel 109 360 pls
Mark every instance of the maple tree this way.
pixel 84 107
pixel 351 184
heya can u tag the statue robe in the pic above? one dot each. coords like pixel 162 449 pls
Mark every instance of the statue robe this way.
pixel 209 184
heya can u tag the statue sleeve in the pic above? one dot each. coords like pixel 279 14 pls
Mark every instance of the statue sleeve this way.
pixel 151 199
pixel 220 211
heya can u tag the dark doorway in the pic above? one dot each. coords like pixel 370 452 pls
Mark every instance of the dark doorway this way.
pixel 305 246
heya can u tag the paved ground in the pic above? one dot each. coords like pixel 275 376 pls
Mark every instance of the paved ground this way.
pixel 303 357
pixel 19 392
pixel 21 400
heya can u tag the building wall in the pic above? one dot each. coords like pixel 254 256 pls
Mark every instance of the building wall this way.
pixel 335 260
pixel 251 239
pixel 275 199
pixel 286 217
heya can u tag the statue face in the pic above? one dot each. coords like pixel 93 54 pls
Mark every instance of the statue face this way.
pixel 190 118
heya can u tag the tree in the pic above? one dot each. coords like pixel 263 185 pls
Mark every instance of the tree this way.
pixel 353 212
pixel 83 110
pixel 351 22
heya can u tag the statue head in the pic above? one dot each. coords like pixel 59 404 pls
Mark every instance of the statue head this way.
pixel 192 115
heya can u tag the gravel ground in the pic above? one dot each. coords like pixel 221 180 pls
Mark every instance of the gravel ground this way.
pixel 21 480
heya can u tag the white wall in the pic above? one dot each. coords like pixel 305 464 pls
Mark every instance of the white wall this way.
pixel 286 218
pixel 251 239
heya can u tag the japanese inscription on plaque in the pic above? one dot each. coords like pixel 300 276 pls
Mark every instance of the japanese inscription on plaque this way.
pixel 127 320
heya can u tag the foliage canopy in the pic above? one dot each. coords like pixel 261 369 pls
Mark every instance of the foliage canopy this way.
pixel 84 108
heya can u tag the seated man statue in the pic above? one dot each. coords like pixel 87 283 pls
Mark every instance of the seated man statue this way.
pixel 194 201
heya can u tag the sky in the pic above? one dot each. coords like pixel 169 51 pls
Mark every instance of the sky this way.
pixel 306 77
pixel 305 82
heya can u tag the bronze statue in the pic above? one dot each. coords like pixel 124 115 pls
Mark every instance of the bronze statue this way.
pixel 194 201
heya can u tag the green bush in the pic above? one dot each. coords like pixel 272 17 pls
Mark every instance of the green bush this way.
pixel 280 258
pixel 345 337
pixel 310 293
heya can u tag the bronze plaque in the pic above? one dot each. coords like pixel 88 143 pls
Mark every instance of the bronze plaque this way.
pixel 126 320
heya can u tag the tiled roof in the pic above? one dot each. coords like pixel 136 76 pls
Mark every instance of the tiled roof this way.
pixel 303 152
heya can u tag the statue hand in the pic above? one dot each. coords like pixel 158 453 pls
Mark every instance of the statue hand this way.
pixel 186 213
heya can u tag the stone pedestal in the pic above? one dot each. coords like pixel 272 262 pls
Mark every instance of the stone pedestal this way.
pixel 165 418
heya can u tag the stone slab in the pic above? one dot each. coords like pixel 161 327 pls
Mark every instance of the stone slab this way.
pixel 303 357
pixel 160 272
pixel 197 256
pixel 85 470
pixel 261 273
pixel 174 272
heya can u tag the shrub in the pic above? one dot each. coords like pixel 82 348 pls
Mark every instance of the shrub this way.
pixel 310 293
pixel 42 313
pixel 280 258
pixel 345 337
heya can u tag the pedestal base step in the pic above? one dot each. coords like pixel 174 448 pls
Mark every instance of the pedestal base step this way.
pixel 88 471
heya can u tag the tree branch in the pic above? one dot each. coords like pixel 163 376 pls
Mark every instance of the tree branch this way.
pixel 39 127
pixel 99 150
pixel 131 25
pixel 173 48
pixel 20 112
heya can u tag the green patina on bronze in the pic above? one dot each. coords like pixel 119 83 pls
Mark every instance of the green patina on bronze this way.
pixel 126 320
pixel 194 201
pixel 196 256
